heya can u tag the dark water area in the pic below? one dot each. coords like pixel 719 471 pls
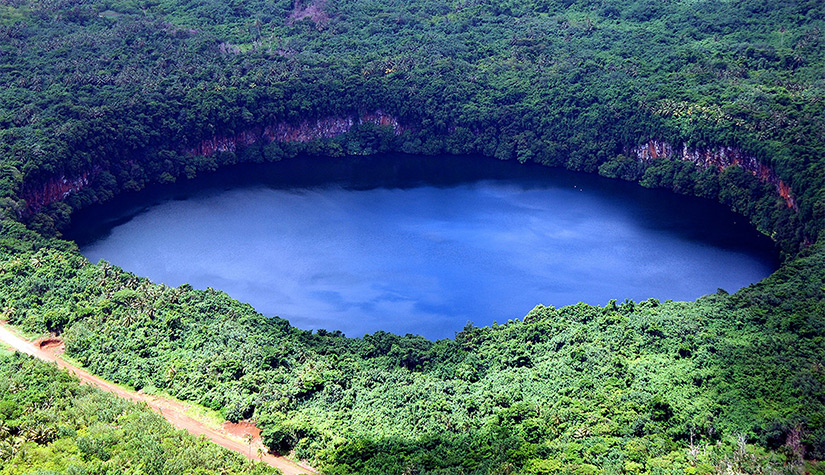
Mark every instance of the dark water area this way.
pixel 422 245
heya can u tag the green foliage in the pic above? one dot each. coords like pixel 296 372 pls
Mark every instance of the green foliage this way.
pixel 103 98
pixel 628 386
pixel 49 423
pixel 557 82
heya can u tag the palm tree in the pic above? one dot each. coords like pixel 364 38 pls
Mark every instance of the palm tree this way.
pixel 9 447
pixel 7 450
pixel 39 433
pixel 129 319
pixel 105 267
pixel 249 438
pixel 9 312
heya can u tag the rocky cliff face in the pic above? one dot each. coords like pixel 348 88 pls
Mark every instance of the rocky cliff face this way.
pixel 55 189
pixel 720 157
pixel 305 131
pixel 58 188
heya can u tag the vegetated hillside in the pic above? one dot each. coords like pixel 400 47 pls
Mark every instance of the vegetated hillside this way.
pixel 713 98
pixel 111 96
pixel 669 387
pixel 51 424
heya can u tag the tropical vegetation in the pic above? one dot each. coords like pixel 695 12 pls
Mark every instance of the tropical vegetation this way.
pixel 51 424
pixel 105 97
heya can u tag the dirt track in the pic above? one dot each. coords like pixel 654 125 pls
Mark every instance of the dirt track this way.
pixel 231 436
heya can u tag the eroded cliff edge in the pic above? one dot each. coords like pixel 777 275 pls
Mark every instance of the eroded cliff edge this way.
pixel 41 195
pixel 719 157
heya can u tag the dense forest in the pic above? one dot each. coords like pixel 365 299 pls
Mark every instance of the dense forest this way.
pixel 713 98
pixel 50 424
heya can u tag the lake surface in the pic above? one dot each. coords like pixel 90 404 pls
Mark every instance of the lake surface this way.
pixel 422 244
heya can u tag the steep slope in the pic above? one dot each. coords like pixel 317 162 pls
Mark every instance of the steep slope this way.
pixel 712 98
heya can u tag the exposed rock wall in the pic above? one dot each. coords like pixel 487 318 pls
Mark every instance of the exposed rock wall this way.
pixel 58 188
pixel 720 157
pixel 54 189
pixel 39 196
pixel 305 131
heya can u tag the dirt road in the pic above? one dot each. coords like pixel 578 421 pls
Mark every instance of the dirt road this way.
pixel 231 437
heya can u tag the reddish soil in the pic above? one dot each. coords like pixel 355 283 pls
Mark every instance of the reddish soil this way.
pixel 49 348
pixel 51 345
pixel 242 429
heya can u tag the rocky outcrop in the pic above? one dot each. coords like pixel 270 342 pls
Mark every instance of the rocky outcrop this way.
pixel 54 189
pixel 305 131
pixel 315 11
pixel 720 157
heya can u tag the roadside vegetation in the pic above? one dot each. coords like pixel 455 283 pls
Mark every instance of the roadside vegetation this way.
pixel 50 423
pixel 676 386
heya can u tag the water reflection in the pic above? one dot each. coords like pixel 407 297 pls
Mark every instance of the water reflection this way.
pixel 410 245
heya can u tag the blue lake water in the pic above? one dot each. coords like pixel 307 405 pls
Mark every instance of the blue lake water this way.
pixel 422 244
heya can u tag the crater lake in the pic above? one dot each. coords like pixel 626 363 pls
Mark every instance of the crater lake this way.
pixel 422 245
